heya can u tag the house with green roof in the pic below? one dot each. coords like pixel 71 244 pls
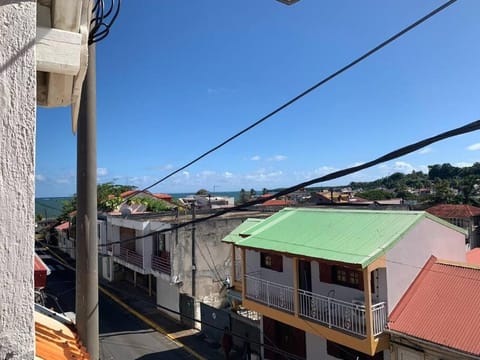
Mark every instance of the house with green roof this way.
pixel 325 280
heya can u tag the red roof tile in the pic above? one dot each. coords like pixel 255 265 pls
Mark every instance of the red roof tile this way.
pixel 165 197
pixel 441 306
pixel 56 341
pixel 454 211
pixel 275 202
pixel 473 256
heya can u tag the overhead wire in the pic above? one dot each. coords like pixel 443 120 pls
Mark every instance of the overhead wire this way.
pixel 307 91
pixel 470 127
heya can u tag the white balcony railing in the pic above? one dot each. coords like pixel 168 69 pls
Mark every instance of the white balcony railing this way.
pixel 331 312
pixel 269 293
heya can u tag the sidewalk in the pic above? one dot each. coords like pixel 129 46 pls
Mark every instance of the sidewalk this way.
pixel 145 305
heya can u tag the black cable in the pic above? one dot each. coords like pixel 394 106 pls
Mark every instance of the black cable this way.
pixel 473 126
pixel 301 95
pixel 102 20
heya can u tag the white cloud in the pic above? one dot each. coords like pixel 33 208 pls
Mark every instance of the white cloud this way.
pixel 402 166
pixel 102 172
pixel 63 181
pixel 40 177
pixel 474 147
pixel 426 150
pixel 463 164
pixel 278 158
pixel 255 158
pixel 186 174
pixel 227 175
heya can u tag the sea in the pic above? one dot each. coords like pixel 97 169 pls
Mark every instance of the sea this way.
pixel 51 207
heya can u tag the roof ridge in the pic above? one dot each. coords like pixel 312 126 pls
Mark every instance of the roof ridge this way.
pixel 458 264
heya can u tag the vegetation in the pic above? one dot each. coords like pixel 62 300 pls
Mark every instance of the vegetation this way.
pixel 108 199
pixel 444 183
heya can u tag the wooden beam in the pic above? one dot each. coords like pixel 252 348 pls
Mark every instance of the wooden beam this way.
pixel 58 51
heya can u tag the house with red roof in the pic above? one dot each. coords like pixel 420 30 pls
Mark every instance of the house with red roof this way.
pixel 438 317
pixel 465 216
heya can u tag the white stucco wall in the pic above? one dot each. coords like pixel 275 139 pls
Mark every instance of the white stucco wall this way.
pixel 168 296
pixel 407 257
pixel 17 172
pixel 284 278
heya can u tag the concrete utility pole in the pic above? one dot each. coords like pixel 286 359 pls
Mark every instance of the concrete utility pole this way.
pixel 194 264
pixel 87 239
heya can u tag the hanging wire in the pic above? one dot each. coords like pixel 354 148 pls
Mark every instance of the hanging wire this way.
pixel 102 19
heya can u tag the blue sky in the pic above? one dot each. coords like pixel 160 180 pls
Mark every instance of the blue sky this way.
pixel 175 78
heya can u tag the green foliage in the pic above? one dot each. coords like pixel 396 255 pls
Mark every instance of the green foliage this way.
pixel 202 192
pixel 244 197
pixel 153 205
pixel 38 217
pixel 376 194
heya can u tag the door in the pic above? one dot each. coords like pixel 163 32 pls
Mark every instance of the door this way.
pixel 304 275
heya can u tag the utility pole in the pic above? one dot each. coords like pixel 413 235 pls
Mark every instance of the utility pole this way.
pixel 194 265
pixel 86 306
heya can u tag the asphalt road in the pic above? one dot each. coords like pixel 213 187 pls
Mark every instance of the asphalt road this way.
pixel 122 335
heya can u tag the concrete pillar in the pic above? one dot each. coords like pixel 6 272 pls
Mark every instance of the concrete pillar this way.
pixel 17 177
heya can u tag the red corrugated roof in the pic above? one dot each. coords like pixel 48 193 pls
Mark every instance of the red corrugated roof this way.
pixel 40 271
pixel 473 256
pixel 275 202
pixel 56 341
pixel 62 226
pixel 441 306
pixel 454 211
pixel 165 197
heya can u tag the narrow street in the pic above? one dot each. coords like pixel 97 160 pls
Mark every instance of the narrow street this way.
pixel 122 335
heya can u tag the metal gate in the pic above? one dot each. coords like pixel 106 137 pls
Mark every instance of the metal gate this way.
pixel 187 310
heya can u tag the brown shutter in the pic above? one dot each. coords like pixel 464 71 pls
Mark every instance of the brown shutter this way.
pixel 325 273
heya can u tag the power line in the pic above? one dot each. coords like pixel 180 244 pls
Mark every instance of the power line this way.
pixel 473 126
pixel 309 90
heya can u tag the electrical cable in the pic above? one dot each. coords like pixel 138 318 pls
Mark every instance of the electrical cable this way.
pixel 309 90
pixel 102 20
pixel 473 126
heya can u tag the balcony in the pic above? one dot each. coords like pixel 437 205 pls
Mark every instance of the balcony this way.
pixel 131 257
pixel 162 264
pixel 349 317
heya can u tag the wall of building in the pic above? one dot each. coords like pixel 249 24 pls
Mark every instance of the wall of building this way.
pixel 168 296
pixel 253 265
pixel 213 258
pixel 17 175
pixel 407 257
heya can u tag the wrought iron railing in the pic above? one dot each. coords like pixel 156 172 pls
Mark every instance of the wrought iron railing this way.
pixel 131 257
pixel 162 264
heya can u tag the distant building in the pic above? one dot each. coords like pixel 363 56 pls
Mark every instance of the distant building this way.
pixel 464 216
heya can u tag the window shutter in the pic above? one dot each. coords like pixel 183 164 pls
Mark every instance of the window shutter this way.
pixel 325 273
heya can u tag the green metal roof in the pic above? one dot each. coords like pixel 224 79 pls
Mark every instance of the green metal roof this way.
pixel 350 236
pixel 234 236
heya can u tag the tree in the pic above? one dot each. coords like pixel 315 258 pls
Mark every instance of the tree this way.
pixel 443 193
pixel 202 192
pixel 252 193
pixel 264 191
pixel 108 198
pixel 243 197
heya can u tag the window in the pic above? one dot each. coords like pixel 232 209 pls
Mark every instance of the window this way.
pixel 159 245
pixel 347 277
pixel 271 261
